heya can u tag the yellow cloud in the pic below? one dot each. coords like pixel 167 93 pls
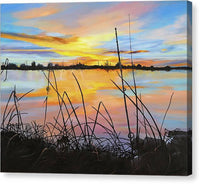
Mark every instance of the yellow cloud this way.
pixel 177 42
pixel 70 46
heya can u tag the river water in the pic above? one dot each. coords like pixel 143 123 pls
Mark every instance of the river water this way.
pixel 155 88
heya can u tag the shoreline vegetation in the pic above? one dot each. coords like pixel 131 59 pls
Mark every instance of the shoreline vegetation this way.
pixel 36 154
pixel 51 66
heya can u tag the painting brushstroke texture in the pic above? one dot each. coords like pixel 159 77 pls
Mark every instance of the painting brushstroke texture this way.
pixel 97 87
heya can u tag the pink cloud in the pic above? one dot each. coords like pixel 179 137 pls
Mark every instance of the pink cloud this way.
pixel 96 21
pixel 106 19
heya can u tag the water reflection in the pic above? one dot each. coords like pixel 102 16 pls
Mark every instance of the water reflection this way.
pixel 155 88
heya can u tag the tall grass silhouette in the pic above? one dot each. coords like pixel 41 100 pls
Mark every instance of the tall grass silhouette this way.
pixel 69 143
pixel 68 136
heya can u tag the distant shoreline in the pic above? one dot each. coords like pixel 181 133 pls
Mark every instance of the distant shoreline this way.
pixel 86 67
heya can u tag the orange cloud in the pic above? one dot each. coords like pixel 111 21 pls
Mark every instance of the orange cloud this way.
pixel 39 39
pixel 126 52
pixel 46 10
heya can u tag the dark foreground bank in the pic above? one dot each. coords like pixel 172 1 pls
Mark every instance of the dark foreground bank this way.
pixel 23 154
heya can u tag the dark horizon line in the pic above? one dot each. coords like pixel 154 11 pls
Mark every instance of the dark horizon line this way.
pixel 50 66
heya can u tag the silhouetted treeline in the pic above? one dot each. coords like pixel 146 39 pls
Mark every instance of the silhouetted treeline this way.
pixel 51 66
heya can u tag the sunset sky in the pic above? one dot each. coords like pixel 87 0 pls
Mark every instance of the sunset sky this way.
pixel 84 32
